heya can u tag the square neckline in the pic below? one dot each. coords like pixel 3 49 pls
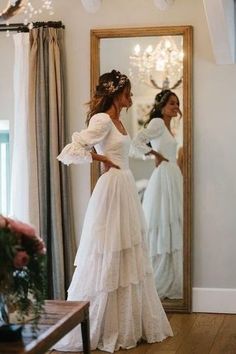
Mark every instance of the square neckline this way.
pixel 117 128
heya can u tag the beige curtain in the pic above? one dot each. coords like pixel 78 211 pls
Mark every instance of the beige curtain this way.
pixel 50 211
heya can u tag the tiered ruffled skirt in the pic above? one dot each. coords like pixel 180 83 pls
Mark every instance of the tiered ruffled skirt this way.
pixel 113 271
pixel 163 209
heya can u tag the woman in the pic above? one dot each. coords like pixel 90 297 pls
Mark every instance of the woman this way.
pixel 113 271
pixel 163 197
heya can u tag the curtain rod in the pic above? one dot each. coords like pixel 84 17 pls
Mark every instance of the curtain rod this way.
pixel 21 27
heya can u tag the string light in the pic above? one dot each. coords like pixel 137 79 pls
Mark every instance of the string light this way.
pixel 31 11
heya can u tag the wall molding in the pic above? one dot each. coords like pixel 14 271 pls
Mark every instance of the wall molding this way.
pixel 213 300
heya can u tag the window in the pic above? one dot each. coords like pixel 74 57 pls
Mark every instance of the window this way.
pixel 4 167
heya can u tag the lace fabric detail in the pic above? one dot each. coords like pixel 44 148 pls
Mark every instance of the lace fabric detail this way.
pixel 113 267
pixel 74 153
pixel 82 142
pixel 155 128
pixel 109 271
pixel 119 319
pixel 163 209
pixel 168 274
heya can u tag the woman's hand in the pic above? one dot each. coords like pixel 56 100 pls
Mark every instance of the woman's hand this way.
pixel 159 158
pixel 109 164
pixel 106 163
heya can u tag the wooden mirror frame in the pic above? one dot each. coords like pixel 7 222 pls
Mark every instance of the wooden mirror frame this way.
pixel 181 305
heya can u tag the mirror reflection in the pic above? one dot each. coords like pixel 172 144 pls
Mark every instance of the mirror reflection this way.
pixel 158 63
pixel 155 67
pixel 162 194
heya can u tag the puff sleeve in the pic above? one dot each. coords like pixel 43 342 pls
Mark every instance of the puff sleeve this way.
pixel 154 129
pixel 78 151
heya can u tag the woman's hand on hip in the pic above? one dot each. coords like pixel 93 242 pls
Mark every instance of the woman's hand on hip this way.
pixel 109 164
pixel 159 158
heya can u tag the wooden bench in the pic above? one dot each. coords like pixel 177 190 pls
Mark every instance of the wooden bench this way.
pixel 60 317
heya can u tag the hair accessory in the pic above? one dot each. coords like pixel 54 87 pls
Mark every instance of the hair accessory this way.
pixel 161 96
pixel 111 86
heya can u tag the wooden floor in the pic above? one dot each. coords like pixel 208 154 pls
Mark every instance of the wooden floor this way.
pixel 193 334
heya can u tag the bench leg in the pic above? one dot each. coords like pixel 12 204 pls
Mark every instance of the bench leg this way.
pixel 86 334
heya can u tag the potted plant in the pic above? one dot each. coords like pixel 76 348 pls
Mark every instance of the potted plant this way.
pixel 22 274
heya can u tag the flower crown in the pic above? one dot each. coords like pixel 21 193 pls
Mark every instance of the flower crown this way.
pixel 111 86
pixel 160 97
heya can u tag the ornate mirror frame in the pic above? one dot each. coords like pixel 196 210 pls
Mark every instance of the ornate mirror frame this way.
pixel 180 305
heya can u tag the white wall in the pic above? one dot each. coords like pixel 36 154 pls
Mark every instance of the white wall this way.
pixel 214 206
pixel 214 195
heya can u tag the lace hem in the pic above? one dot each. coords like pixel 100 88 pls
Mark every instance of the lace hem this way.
pixel 119 319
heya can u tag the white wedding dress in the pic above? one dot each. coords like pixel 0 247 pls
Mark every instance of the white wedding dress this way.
pixel 163 209
pixel 113 270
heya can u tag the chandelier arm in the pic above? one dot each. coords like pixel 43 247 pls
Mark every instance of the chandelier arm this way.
pixel 155 84
pixel 12 9
pixel 177 83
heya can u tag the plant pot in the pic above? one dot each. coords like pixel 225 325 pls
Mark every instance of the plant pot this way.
pixel 10 332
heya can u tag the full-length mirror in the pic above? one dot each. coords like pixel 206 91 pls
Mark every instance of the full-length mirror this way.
pixel 157 60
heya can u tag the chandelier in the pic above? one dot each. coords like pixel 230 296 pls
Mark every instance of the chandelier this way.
pixel 30 11
pixel 161 66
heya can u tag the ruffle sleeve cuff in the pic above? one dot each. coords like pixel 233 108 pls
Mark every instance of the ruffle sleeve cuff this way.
pixel 74 153
pixel 139 145
pixel 79 150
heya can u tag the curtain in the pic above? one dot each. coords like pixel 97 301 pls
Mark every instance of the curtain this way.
pixel 49 180
pixel 19 196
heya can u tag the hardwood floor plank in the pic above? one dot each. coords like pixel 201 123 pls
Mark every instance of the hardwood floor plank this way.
pixel 181 325
pixel 225 342
pixel 193 334
pixel 202 335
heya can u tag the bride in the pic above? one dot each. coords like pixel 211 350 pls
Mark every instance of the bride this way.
pixel 113 270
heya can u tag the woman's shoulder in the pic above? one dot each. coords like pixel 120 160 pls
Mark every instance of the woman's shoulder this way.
pixel 156 123
pixel 101 118
pixel 101 121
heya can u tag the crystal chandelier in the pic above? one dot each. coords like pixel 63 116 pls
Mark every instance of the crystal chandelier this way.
pixel 28 8
pixel 12 8
pixel 160 67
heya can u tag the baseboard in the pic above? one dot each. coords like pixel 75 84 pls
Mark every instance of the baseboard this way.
pixel 214 300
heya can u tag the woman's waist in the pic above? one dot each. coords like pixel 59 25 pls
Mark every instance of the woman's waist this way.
pixel 169 164
pixel 122 163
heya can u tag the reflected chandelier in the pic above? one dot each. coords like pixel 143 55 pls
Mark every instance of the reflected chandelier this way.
pixel 160 67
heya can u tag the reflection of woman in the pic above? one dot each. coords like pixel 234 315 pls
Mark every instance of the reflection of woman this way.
pixel 113 270
pixel 163 198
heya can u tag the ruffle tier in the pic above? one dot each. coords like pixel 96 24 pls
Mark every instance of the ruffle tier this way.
pixel 168 274
pixel 114 219
pixel 119 319
pixel 163 209
pixel 113 271
pixel 109 271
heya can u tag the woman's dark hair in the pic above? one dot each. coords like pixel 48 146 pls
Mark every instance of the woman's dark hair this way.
pixel 161 100
pixel 109 86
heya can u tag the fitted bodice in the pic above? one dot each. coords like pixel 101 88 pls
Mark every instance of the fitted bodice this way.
pixel 102 134
pixel 115 146
pixel 166 145
pixel 159 137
